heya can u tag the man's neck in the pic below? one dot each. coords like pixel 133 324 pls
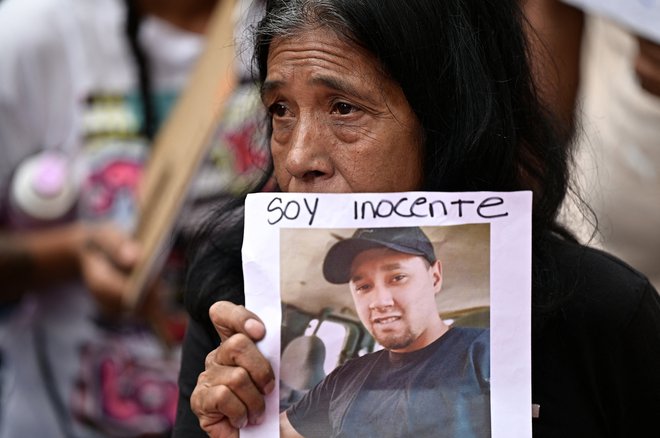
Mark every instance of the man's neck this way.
pixel 432 333
pixel 190 15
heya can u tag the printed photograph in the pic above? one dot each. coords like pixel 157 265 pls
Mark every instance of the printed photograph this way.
pixel 385 331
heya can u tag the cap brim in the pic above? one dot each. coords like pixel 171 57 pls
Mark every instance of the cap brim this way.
pixel 339 259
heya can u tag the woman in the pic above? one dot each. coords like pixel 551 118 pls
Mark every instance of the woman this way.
pixel 391 96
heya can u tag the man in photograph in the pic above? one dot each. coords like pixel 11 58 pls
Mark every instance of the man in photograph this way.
pixel 430 379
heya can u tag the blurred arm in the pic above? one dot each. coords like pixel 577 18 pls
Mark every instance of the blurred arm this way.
pixel 34 259
pixel 647 65
pixel 555 37
pixel 101 255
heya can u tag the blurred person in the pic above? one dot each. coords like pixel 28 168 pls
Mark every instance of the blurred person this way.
pixel 603 80
pixel 389 96
pixel 84 87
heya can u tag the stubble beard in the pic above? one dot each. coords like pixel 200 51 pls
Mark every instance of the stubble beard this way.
pixel 395 341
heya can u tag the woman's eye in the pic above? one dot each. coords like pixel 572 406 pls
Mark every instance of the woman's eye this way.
pixel 277 110
pixel 398 278
pixel 343 108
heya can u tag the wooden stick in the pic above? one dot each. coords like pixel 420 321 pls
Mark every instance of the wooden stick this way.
pixel 180 147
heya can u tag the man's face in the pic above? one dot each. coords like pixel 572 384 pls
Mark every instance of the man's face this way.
pixel 394 294
pixel 339 123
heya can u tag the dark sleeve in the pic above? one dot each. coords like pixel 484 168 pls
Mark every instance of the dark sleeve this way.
pixel 480 353
pixel 310 415
pixel 197 343
pixel 641 404
pixel 595 363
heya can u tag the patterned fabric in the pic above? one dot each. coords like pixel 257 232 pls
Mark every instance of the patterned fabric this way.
pixel 68 84
pixel 126 387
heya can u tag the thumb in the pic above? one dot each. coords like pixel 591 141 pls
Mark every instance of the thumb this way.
pixel 230 319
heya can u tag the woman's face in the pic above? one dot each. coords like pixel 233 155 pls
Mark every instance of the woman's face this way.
pixel 339 123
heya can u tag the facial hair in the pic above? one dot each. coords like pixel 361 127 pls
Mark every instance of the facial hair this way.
pixel 394 341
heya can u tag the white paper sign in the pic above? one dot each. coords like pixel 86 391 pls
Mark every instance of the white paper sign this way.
pixel 482 240
pixel 640 16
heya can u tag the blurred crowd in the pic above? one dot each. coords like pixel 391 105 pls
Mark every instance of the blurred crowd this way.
pixel 85 87
pixel 601 76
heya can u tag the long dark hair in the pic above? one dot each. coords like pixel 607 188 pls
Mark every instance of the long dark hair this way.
pixel 132 25
pixel 464 68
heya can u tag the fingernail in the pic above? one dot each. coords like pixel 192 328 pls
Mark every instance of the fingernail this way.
pixel 254 328
pixel 270 386
pixel 259 420
pixel 243 422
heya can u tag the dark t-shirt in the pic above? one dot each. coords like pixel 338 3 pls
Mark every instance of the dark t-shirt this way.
pixel 594 363
pixel 442 390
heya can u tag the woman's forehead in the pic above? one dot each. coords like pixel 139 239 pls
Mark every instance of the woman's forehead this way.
pixel 328 61
pixel 323 45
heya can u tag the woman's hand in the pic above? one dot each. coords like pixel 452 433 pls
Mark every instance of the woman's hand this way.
pixel 230 392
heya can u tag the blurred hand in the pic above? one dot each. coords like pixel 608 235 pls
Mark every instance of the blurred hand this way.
pixel 647 65
pixel 107 256
pixel 230 392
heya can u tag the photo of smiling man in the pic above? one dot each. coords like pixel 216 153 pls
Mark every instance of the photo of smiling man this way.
pixel 430 378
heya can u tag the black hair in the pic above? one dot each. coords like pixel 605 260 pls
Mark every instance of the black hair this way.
pixel 464 67
pixel 132 29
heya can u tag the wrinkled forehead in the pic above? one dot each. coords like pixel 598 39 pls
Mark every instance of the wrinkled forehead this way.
pixel 322 43
pixel 314 31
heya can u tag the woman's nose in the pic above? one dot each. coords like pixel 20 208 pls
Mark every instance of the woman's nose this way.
pixel 307 159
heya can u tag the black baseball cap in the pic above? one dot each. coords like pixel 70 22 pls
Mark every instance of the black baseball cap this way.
pixel 408 240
